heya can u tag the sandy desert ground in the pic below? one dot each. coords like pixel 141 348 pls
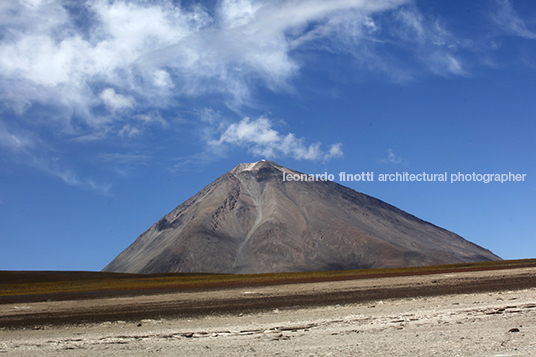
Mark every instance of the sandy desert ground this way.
pixel 497 322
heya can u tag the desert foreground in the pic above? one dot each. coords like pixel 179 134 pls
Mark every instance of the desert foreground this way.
pixel 479 313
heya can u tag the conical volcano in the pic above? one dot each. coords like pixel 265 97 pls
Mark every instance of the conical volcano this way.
pixel 251 220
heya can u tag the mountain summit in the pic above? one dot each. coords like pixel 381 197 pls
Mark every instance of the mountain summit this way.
pixel 251 220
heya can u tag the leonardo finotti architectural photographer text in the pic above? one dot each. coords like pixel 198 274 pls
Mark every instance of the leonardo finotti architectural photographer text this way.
pixel 407 177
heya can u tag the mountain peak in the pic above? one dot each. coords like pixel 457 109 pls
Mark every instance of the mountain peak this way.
pixel 254 167
pixel 252 221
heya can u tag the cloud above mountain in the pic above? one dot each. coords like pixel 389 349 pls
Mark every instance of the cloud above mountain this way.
pixel 99 58
pixel 259 137
pixel 113 70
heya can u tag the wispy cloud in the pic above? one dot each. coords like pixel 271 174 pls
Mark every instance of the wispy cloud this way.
pixel 261 139
pixel 107 68
pixel 432 44
pixel 128 54
pixel 509 20
pixel 68 176
pixel 27 149
pixel 124 158
pixel 124 164
pixel 391 158
pixel 124 56
pixel 15 141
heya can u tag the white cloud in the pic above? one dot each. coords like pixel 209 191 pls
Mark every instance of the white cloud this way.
pixel 156 50
pixel 114 101
pixel 129 131
pixel 138 56
pixel 162 79
pixel 259 132
pixel 391 158
pixel 34 4
pixel 262 140
pixel 289 145
pixel 235 13
pixel 334 152
pixel 110 71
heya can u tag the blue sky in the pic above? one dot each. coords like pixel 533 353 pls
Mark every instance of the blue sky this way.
pixel 112 113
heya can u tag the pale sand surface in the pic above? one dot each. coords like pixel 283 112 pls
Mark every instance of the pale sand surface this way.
pixel 499 323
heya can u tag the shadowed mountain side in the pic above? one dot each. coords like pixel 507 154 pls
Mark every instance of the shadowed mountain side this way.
pixel 251 221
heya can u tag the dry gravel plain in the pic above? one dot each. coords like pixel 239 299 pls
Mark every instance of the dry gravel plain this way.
pixel 443 317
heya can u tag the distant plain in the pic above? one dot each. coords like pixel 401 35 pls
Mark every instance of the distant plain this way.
pixel 207 294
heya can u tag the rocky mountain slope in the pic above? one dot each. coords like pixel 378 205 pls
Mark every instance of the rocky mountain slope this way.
pixel 252 221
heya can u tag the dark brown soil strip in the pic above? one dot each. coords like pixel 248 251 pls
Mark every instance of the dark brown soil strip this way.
pixel 198 287
pixel 248 304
